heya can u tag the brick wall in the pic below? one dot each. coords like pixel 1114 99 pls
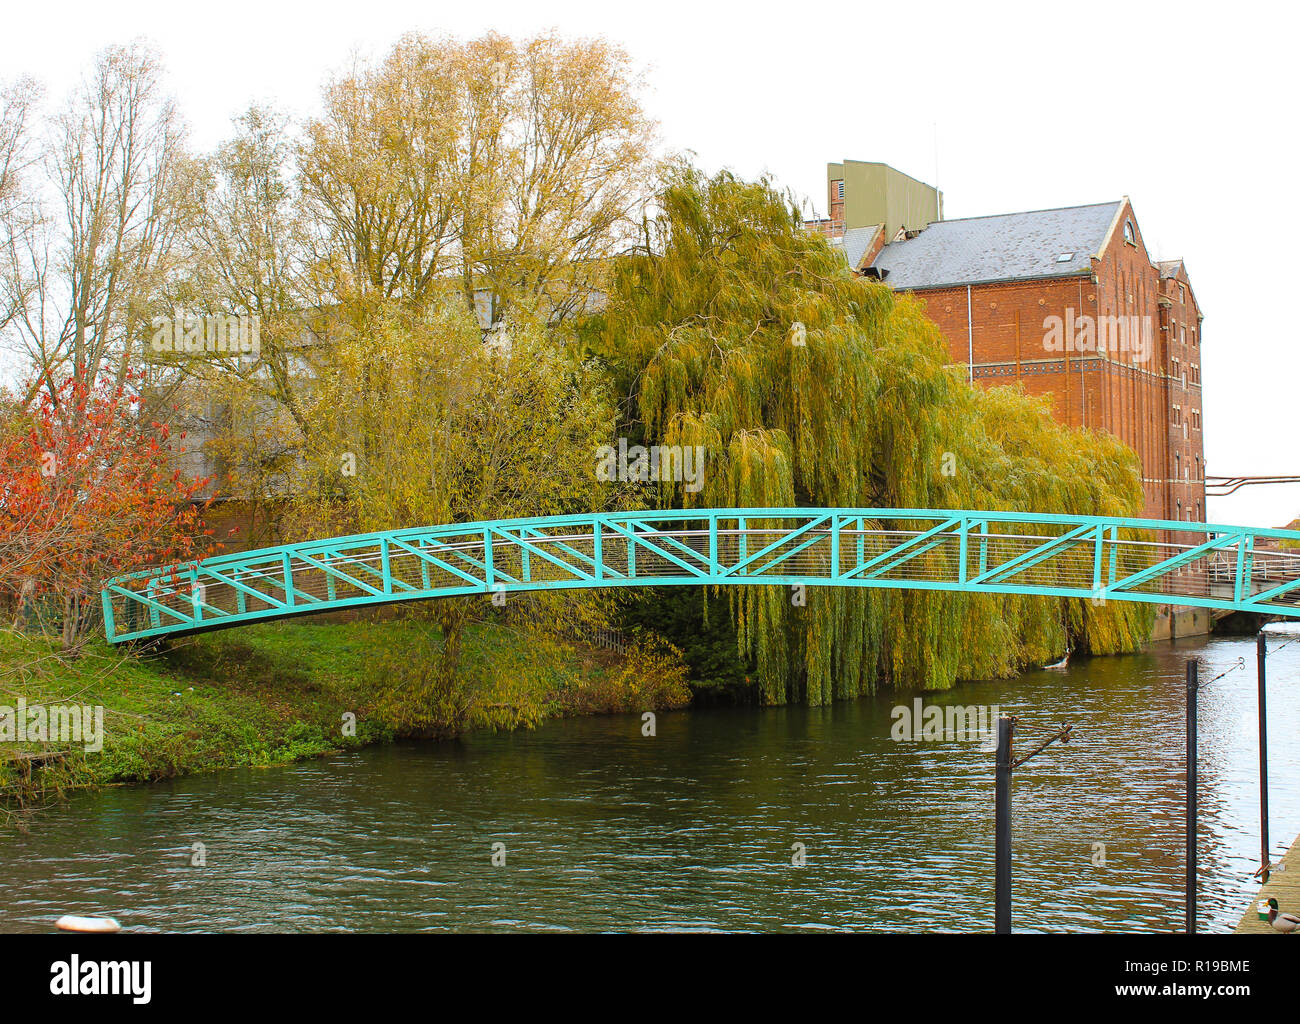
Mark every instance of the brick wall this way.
pixel 1182 334
pixel 1130 389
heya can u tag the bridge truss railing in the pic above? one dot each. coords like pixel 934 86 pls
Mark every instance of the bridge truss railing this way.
pixel 1154 561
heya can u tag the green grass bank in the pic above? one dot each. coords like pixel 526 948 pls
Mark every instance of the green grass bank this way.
pixel 276 693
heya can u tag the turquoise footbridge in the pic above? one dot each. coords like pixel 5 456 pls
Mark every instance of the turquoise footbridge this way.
pixel 1230 568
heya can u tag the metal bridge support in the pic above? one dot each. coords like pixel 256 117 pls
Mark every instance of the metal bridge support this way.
pixel 1261 654
pixel 1193 681
pixel 1002 831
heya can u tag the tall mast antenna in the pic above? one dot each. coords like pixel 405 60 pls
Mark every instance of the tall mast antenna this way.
pixel 938 196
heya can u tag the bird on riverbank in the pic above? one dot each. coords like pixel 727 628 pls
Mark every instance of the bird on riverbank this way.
pixel 1281 922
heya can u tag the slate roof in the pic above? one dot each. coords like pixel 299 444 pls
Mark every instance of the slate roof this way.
pixel 1006 247
pixel 857 241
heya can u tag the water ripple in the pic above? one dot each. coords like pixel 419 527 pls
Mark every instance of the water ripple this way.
pixel 698 828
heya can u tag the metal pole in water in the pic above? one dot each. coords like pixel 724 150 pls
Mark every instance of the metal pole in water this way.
pixel 1261 653
pixel 1192 683
pixel 1002 832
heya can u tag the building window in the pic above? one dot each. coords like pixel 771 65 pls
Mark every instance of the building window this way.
pixel 1182 294
pixel 1129 235
pixel 839 189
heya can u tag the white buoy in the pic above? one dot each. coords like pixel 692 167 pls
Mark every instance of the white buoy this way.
pixel 72 923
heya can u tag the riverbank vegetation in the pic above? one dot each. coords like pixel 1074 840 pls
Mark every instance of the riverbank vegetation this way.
pixel 276 693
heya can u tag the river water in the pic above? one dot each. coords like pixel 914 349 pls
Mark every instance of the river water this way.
pixel 696 828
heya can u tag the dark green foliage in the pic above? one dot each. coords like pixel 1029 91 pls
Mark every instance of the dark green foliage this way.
pixel 703 632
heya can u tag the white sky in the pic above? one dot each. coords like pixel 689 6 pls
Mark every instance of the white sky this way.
pixel 1183 107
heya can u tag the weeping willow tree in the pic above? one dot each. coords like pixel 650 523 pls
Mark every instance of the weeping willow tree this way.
pixel 734 329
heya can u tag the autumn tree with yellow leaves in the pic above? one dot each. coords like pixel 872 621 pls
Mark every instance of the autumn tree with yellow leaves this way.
pixel 499 176
pixel 507 170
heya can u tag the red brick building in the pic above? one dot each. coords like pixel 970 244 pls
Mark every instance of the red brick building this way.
pixel 1068 303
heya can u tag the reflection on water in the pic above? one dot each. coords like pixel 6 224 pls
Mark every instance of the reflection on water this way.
pixel 695 828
